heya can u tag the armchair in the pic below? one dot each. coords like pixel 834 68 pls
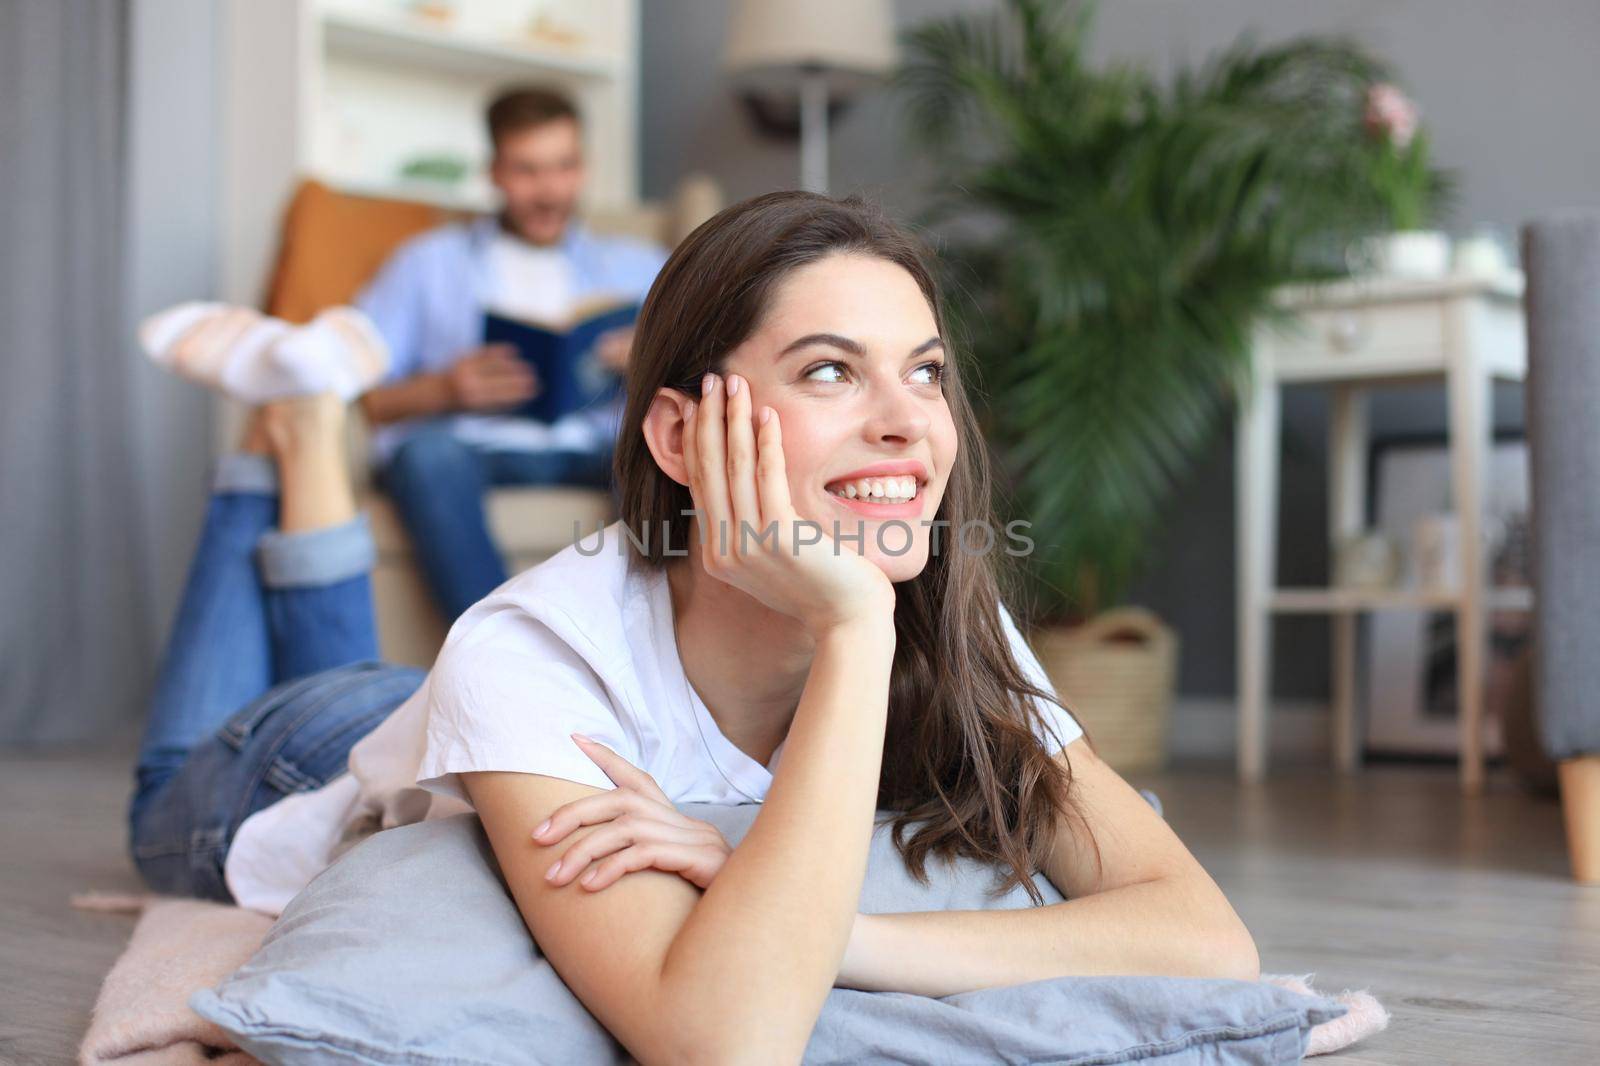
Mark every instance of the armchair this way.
pixel 1562 257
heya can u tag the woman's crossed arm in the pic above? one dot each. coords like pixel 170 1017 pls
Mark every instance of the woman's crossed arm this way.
pixel 1147 907
pixel 740 972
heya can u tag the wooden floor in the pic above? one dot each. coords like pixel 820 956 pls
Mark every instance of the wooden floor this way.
pixel 1457 914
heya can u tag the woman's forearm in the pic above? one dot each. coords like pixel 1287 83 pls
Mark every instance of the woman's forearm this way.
pixel 762 947
pixel 1167 927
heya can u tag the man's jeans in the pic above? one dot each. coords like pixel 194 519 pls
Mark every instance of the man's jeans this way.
pixel 438 483
pixel 268 679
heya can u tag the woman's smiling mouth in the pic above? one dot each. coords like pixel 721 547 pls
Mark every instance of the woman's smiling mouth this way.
pixel 883 490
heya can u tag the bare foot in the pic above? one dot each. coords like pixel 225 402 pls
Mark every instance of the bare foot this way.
pixel 254 439
pixel 303 423
pixel 307 434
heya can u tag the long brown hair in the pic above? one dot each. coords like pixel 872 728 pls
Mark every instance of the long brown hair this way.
pixel 963 768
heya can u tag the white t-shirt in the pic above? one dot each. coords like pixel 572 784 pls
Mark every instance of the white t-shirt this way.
pixel 529 280
pixel 579 643
pixel 535 283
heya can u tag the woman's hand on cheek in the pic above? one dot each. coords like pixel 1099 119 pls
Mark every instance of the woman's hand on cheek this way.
pixel 752 538
pixel 640 829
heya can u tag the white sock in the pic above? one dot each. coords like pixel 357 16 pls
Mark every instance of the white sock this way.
pixel 219 346
pixel 339 351
pixel 256 358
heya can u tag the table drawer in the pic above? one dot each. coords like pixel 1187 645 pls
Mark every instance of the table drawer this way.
pixel 1406 333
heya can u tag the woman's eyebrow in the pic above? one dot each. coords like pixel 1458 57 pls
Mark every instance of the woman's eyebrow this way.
pixel 834 340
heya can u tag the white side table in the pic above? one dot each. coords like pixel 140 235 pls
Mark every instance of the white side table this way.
pixel 1356 335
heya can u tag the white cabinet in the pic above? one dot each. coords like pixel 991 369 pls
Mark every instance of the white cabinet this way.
pixel 1463 332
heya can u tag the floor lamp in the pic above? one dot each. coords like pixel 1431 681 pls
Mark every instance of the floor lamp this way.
pixel 798 63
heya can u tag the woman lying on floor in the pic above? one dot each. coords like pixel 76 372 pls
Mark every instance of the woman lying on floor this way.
pixel 788 365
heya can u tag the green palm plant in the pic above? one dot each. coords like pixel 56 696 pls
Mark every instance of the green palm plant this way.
pixel 1122 238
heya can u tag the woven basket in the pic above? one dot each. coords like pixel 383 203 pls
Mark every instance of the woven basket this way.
pixel 1116 674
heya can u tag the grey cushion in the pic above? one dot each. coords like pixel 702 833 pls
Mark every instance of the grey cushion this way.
pixel 409 949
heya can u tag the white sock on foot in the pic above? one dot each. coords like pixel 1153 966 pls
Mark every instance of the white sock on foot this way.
pixel 257 359
pixel 219 346
pixel 339 351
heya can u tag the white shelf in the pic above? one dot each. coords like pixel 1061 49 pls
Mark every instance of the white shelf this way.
pixel 418 192
pixel 1340 601
pixel 419 43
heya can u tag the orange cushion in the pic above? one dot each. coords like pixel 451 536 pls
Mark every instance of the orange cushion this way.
pixel 333 242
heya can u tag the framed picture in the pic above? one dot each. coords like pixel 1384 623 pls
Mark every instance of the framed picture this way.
pixel 1411 680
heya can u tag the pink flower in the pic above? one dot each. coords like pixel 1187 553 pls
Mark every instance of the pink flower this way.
pixel 1390 115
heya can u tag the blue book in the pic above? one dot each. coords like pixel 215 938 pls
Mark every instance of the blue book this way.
pixel 571 376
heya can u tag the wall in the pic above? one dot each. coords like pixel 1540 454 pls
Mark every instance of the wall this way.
pixel 1504 88
pixel 690 120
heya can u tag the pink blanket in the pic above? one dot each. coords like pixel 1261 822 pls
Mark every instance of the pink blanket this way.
pixel 142 1016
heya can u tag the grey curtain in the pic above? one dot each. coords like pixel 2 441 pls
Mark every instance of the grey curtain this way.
pixel 74 634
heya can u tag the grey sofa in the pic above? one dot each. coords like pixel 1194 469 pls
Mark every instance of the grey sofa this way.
pixel 1561 254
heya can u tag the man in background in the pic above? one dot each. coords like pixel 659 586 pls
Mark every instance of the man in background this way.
pixel 442 432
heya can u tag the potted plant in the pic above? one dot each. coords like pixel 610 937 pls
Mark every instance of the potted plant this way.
pixel 1409 188
pixel 1115 240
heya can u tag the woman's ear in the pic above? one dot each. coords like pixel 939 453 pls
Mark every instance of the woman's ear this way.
pixel 663 432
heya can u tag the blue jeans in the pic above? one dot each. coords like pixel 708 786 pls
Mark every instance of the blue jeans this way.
pixel 268 679
pixel 438 483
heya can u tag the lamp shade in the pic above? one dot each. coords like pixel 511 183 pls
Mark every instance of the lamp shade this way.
pixel 771 41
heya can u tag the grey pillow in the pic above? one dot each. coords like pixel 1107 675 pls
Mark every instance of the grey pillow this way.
pixel 410 949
